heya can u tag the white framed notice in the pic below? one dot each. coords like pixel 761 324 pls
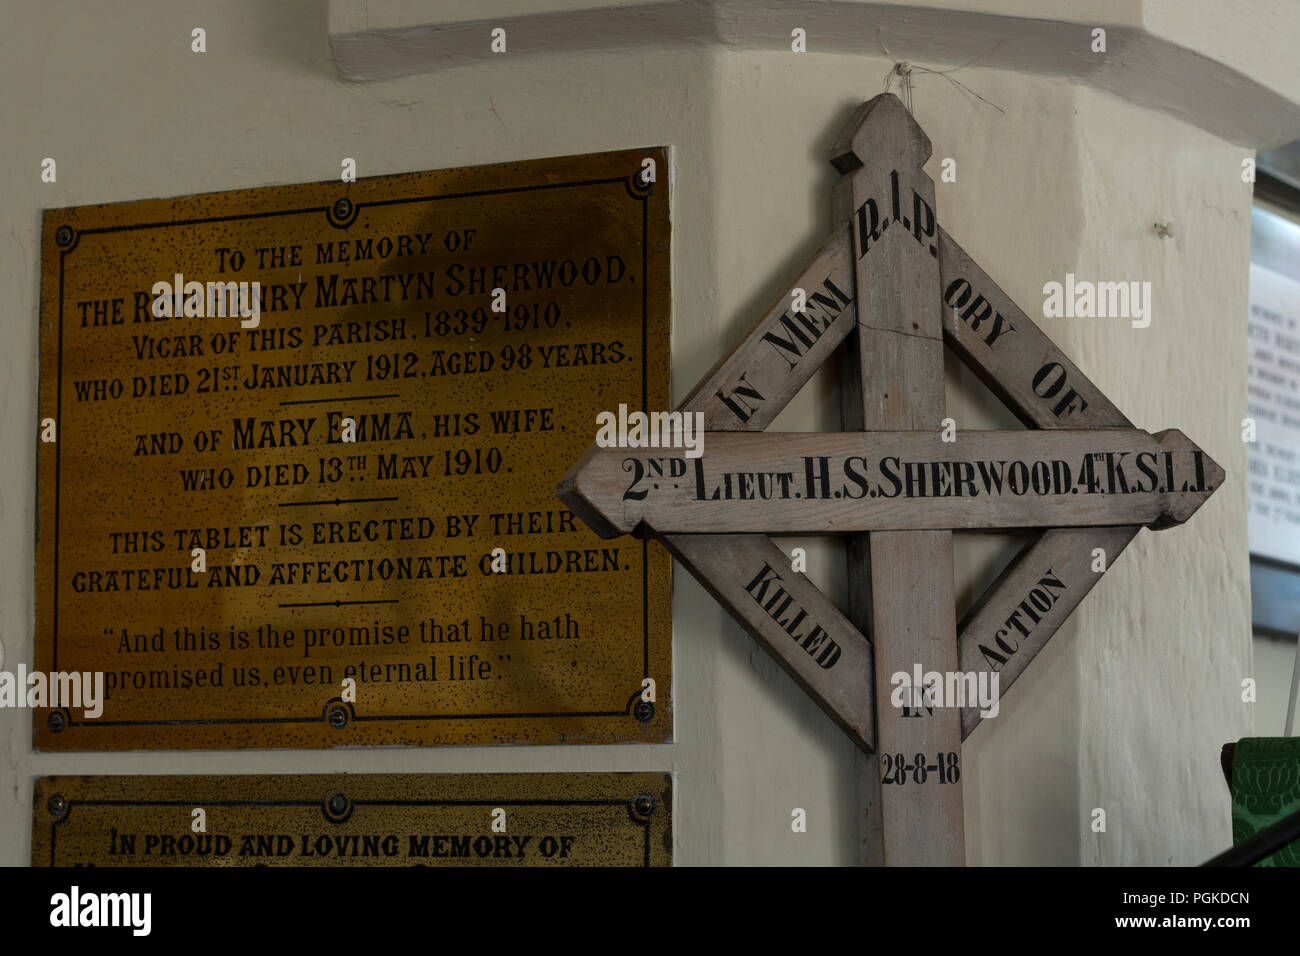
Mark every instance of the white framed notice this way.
pixel 1274 404
pixel 1273 407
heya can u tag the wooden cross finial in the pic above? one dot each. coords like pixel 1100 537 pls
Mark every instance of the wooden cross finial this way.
pixel 880 119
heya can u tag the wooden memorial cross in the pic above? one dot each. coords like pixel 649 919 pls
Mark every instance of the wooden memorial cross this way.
pixel 891 483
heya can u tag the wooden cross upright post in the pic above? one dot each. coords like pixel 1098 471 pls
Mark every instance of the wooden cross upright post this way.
pixel 896 287
pixel 900 387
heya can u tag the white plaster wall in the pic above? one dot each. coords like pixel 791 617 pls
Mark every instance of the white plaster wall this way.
pixel 1125 709
pixel 1174 665
pixel 116 96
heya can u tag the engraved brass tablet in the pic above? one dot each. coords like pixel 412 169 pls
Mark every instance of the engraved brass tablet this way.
pixel 296 475
pixel 486 819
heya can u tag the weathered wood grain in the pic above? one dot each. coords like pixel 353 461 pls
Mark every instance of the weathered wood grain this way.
pixel 857 556
pixel 900 360
pixel 786 613
pixel 845 482
pixel 748 388
pixel 1011 354
pixel 1031 599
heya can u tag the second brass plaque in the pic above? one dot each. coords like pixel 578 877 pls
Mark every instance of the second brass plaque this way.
pixel 480 819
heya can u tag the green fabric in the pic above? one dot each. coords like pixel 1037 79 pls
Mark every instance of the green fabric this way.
pixel 1265 788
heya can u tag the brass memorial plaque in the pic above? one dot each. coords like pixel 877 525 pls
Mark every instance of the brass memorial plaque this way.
pixel 485 819
pixel 302 493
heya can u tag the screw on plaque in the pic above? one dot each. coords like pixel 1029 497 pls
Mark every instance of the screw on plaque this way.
pixel 338 717
pixel 56 805
pixel 338 803
pixel 342 208
pixel 643 710
pixel 64 235
pixel 643 804
pixel 56 721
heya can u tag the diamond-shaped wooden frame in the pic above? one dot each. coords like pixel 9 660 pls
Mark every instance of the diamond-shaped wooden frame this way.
pixel 895 309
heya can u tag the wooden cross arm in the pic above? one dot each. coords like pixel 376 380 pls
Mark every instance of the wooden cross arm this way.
pixel 791 618
pixel 1020 612
pixel 748 388
pixel 842 483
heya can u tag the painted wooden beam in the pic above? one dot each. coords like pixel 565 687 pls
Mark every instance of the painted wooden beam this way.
pixel 750 386
pixel 881 152
pixel 1032 598
pixel 789 616
pixel 846 482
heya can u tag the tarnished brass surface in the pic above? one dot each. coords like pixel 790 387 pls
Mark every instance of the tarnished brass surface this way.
pixel 376 306
pixel 484 819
